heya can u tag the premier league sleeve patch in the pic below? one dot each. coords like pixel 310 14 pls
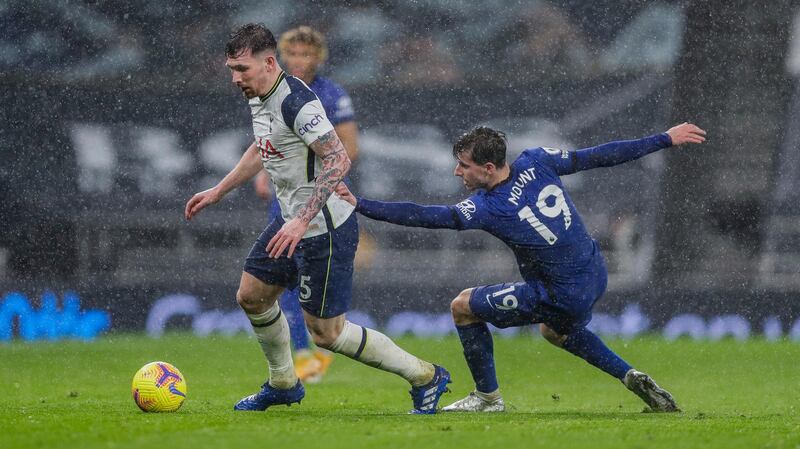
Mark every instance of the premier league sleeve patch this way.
pixel 556 152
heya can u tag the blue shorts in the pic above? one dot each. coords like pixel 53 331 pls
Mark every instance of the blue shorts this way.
pixel 523 303
pixel 321 267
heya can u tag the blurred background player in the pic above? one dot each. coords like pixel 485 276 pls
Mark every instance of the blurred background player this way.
pixel 525 205
pixel 303 50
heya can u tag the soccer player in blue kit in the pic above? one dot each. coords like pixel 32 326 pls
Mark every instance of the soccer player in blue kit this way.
pixel 303 50
pixel 312 243
pixel 524 204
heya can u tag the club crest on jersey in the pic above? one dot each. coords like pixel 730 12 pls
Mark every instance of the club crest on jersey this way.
pixel 467 207
pixel 311 124
pixel 267 150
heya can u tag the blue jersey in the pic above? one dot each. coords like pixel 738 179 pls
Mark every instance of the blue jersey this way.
pixel 531 213
pixel 337 104
pixel 338 107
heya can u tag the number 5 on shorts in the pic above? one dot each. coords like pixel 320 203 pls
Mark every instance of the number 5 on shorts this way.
pixel 305 290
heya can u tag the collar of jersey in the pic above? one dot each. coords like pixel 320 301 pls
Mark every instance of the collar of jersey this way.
pixel 503 182
pixel 274 87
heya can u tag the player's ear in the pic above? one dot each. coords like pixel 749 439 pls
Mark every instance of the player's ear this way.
pixel 269 59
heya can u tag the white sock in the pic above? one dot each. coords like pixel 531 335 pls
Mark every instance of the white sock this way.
pixel 489 397
pixel 272 332
pixel 372 348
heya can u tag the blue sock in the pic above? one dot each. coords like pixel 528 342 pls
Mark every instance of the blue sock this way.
pixel 479 352
pixel 589 347
pixel 290 305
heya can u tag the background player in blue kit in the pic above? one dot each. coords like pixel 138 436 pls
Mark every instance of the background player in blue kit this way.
pixel 303 50
pixel 525 205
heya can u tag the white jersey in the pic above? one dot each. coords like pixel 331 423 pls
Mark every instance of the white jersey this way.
pixel 286 121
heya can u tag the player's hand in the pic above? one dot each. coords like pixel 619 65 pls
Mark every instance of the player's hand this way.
pixel 686 133
pixel 288 237
pixel 344 193
pixel 261 185
pixel 200 200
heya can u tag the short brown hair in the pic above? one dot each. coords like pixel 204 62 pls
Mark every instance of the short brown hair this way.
pixel 252 36
pixel 482 144
pixel 305 35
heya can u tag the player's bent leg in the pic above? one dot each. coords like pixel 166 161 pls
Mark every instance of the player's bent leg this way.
pixel 259 301
pixel 588 346
pixel 368 346
pixel 325 272
pixel 479 354
pixel 460 309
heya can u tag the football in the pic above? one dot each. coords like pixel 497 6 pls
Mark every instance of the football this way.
pixel 158 387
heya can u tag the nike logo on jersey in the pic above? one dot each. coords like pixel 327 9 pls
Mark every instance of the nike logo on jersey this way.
pixel 522 180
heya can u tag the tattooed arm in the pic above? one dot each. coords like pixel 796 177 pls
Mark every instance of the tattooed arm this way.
pixel 335 165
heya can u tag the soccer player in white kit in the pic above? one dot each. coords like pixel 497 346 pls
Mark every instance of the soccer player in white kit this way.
pixel 313 243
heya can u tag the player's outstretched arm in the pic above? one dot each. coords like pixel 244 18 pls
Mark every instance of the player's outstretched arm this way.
pixel 619 152
pixel 404 214
pixel 335 165
pixel 249 165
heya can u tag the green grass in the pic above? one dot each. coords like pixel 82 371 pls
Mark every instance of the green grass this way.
pixel 75 394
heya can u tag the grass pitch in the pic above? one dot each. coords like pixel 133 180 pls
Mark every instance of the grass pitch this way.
pixel 65 395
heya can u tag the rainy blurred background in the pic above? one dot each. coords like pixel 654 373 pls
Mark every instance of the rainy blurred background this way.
pixel 115 112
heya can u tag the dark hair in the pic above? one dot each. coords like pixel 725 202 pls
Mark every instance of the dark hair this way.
pixel 253 36
pixel 484 145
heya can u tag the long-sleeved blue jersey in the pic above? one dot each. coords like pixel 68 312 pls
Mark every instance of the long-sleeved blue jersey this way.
pixel 532 214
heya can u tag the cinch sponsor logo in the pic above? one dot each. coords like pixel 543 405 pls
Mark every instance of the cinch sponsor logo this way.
pixel 310 125
pixel 522 180
pixel 467 207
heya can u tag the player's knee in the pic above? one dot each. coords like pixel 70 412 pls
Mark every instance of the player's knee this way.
pixel 245 298
pixel 324 338
pixel 459 308
pixel 552 336
pixel 252 300
pixel 325 332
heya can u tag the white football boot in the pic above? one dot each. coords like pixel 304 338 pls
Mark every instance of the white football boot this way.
pixel 474 403
pixel 646 388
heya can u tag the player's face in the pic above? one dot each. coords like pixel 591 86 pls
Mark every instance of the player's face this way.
pixel 301 60
pixel 251 73
pixel 474 176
